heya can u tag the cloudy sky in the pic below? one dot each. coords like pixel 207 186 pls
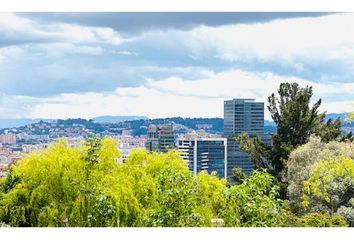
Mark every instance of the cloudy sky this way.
pixel 60 65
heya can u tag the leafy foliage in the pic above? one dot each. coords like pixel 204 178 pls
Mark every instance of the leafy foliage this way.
pixel 301 162
pixel 239 175
pixel 331 186
pixel 254 203
pixel 316 220
pixel 177 204
pixel 296 120
pixel 64 186
pixel 210 193
pixel 88 187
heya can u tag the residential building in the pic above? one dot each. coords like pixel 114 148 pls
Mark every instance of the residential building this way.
pixel 241 116
pixel 8 138
pixel 126 132
pixel 160 138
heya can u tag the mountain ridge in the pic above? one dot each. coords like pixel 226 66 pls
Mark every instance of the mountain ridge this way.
pixel 18 122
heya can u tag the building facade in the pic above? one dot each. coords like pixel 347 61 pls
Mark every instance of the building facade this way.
pixel 160 138
pixel 204 154
pixel 8 138
pixel 241 116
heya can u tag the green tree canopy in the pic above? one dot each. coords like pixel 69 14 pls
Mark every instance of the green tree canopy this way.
pixel 88 187
pixel 296 121
pixel 63 186
pixel 330 188
pixel 254 203
pixel 301 162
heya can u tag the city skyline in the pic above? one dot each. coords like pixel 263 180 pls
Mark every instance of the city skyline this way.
pixel 68 65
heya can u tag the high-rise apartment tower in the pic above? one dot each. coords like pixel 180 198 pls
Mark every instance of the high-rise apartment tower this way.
pixel 160 138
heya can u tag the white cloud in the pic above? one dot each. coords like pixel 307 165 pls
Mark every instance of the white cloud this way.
pixel 124 52
pixel 108 35
pixel 11 52
pixel 15 28
pixel 240 83
pixel 180 97
pixel 60 49
pixel 12 22
pixel 17 106
pixel 337 107
pixel 330 37
pixel 189 91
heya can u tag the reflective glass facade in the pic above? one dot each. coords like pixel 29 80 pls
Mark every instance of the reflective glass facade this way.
pixel 204 154
pixel 241 115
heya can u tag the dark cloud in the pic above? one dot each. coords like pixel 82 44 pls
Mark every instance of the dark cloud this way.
pixel 133 22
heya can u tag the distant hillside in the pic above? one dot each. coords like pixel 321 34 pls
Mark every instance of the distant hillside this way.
pixel 139 127
pixel 18 122
pixel 334 116
pixel 116 119
pixel 214 125
pixel 139 124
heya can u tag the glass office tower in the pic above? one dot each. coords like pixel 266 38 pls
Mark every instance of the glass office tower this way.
pixel 205 154
pixel 241 115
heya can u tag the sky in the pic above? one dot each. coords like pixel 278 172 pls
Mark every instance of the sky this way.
pixel 68 65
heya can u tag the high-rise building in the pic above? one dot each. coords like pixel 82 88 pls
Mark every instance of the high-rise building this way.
pixel 204 154
pixel 241 116
pixel 160 138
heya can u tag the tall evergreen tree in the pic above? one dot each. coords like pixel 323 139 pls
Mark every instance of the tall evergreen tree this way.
pixel 296 121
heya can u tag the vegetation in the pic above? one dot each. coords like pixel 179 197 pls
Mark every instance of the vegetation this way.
pixel 330 188
pixel 316 220
pixel 301 166
pixel 306 178
pixel 254 203
pixel 310 159
pixel 321 177
pixel 296 121
pixel 87 186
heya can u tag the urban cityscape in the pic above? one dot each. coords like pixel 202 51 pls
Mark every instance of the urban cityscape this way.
pixel 176 119
pixel 201 149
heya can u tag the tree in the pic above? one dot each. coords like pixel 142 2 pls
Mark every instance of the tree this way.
pixel 239 175
pixel 63 186
pixel 254 203
pixel 301 162
pixel 296 120
pixel 177 202
pixel 87 187
pixel 259 152
pixel 210 194
pixel 330 187
pixel 34 192
pixel 177 197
